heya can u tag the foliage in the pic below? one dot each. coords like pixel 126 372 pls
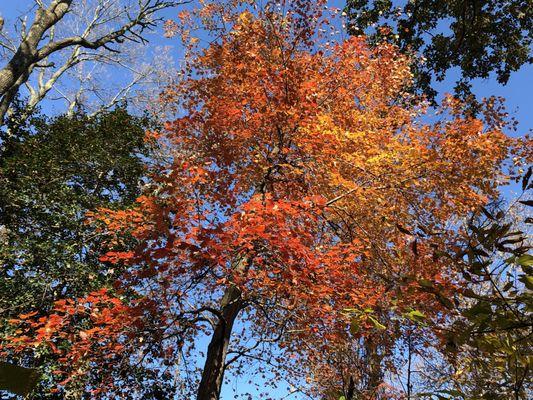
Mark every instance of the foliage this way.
pixel 478 37
pixel 305 193
pixel 489 344
pixel 52 172
pixel 482 348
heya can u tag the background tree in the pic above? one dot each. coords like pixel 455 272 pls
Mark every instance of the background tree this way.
pixel 65 37
pixel 481 349
pixel 52 172
pixel 488 345
pixel 480 37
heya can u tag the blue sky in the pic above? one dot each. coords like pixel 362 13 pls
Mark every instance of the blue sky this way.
pixel 517 92
pixel 518 95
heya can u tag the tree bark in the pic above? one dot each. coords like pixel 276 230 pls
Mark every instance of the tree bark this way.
pixel 18 69
pixel 351 389
pixel 213 372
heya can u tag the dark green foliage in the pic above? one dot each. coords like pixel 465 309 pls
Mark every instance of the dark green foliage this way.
pixel 52 172
pixel 17 379
pixel 489 343
pixel 479 37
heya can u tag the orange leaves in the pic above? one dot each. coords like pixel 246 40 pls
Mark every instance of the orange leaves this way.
pixel 117 256
pixel 29 315
pixel 301 163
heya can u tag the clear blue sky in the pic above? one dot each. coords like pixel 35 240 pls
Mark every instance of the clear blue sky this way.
pixel 518 94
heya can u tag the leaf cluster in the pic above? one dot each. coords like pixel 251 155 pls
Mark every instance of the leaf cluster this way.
pixel 479 37
pixel 52 172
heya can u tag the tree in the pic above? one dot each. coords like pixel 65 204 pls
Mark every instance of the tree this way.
pixel 52 172
pixel 488 344
pixel 56 44
pixel 481 349
pixel 478 37
pixel 294 207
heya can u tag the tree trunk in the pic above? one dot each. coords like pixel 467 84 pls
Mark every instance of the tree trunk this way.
pixel 374 369
pixel 351 389
pixel 213 372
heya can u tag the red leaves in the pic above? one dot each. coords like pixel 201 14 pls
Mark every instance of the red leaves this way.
pixel 272 129
pixel 117 256
pixel 109 319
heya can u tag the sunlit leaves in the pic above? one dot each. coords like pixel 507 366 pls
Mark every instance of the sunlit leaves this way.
pixel 304 180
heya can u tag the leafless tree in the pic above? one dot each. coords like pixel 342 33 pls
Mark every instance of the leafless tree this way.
pixel 75 41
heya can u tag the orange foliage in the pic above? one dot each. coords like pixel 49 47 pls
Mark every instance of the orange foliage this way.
pixel 311 162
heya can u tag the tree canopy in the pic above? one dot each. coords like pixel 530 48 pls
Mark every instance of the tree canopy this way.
pixel 480 37
pixel 313 220
pixel 287 204
pixel 52 172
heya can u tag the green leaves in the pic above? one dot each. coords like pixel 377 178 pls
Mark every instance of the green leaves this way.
pixel 52 172
pixel 525 260
pixel 376 323
pixel 478 38
pixel 491 340
pixel 362 317
pixel 527 280
pixel 416 316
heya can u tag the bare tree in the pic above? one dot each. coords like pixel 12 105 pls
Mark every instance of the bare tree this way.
pixel 76 39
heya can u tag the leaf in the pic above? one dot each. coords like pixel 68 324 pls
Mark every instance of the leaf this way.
pixel 479 312
pixel 527 202
pixel 354 327
pixel 526 260
pixel 444 301
pixel 487 213
pixel 525 179
pixel 527 280
pixel 18 380
pixel 403 230
pixel 512 241
pixel 425 283
pixel 28 315
pixel 376 323
pixel 415 315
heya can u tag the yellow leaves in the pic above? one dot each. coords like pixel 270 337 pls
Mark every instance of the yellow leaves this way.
pixel 245 18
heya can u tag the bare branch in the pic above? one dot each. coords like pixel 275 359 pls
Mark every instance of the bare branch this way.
pixel 107 29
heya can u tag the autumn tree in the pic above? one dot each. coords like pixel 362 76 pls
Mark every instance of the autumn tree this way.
pixel 300 211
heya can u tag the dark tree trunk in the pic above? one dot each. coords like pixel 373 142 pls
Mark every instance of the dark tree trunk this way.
pixel 351 389
pixel 213 372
